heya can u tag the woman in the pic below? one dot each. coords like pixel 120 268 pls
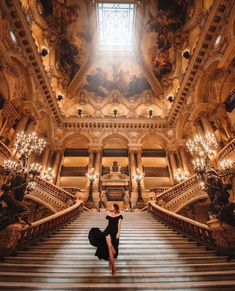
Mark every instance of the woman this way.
pixel 107 242
pixel 112 235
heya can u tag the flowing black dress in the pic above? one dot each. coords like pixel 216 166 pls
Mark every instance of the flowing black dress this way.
pixel 97 237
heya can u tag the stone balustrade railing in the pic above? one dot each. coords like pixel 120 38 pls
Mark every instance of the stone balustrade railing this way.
pixel 53 190
pixel 176 190
pixel 227 150
pixel 159 190
pixel 72 190
pixel 45 198
pixel 156 171
pixel 193 229
pixel 179 196
pixel 50 224
pixel 4 150
pixel 73 171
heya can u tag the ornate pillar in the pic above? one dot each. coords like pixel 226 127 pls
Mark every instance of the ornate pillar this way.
pixel 184 159
pixel 46 157
pixel 140 167
pixel 206 124
pixel 132 169
pixel 20 127
pixel 57 164
pixel 172 164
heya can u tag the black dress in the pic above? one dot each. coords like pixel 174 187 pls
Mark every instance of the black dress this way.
pixel 97 237
pixel 112 230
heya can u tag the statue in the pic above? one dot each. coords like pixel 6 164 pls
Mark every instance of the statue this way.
pixel 217 190
pixel 12 209
pixel 115 167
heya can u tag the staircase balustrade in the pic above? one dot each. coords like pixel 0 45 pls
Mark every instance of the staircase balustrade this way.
pixel 53 190
pixel 179 189
pixel 193 229
pixel 48 225
pixel 227 150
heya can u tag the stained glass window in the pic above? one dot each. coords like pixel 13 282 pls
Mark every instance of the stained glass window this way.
pixel 115 26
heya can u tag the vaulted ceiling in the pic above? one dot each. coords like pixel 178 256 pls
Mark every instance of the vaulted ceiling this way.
pixel 97 82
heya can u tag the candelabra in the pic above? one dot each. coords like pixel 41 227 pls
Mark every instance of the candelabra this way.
pixel 25 145
pixel 138 177
pixel 91 177
pixel 180 176
pixel 216 180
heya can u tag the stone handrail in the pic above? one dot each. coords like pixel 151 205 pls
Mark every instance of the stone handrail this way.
pixel 193 229
pixel 45 226
pixel 45 198
pixel 72 190
pixel 227 150
pixel 176 190
pixel 5 150
pixel 159 190
pixel 53 190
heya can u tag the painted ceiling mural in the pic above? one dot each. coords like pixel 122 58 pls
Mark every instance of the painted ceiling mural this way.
pixel 68 21
pixel 106 75
pixel 164 20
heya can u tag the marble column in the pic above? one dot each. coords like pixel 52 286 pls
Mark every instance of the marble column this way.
pixel 57 164
pixel 90 166
pixel 173 164
pixel 20 127
pixel 184 159
pixel 97 168
pixel 206 125
pixel 139 165
pixel 132 170
pixel 46 157
pixel 30 126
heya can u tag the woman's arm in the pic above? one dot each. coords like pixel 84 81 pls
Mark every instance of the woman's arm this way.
pixel 119 228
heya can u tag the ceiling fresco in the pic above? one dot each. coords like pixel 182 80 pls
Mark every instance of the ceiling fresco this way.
pixel 124 75
pixel 68 22
pixel 162 37
pixel 67 28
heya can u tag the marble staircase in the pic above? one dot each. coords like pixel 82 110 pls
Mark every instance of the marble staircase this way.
pixel 152 257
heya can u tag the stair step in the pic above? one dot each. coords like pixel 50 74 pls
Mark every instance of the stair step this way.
pixel 151 257
pixel 186 286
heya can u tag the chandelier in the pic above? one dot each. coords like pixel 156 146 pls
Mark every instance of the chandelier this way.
pixel 203 146
pixel 25 145
pixel 181 175
pixel 48 174
pixel 28 144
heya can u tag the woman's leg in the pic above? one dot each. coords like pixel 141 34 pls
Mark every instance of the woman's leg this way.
pixel 111 253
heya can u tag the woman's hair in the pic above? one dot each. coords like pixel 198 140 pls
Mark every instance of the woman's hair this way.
pixel 116 207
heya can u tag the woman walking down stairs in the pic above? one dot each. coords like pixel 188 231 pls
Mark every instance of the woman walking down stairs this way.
pixel 151 257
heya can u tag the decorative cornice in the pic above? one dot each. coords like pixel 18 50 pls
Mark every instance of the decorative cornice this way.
pixel 207 37
pixel 19 22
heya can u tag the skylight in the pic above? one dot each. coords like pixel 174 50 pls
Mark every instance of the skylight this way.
pixel 115 26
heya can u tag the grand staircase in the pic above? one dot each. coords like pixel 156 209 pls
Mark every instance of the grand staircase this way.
pixel 152 257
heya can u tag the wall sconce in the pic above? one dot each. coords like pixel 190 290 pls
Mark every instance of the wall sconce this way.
pixel 170 98
pixel 44 52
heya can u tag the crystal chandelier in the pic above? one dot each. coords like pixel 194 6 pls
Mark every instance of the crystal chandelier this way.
pixel 226 165
pixel 203 147
pixel 48 174
pixel 27 144
pixel 180 176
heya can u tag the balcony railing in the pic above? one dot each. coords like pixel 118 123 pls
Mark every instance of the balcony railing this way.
pixel 193 229
pixel 156 171
pixel 227 150
pixel 73 171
